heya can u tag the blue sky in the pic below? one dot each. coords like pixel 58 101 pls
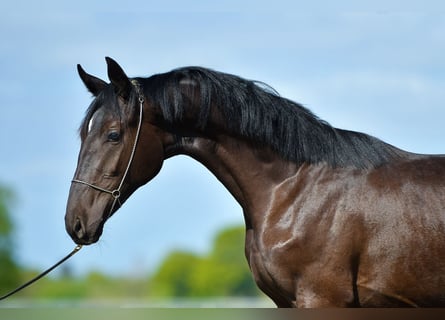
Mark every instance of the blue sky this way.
pixel 376 68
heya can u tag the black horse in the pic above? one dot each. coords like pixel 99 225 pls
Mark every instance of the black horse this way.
pixel 333 217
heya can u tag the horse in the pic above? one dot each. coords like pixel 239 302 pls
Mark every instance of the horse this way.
pixel 333 218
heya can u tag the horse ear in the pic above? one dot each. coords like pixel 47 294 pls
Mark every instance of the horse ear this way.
pixel 119 79
pixel 93 84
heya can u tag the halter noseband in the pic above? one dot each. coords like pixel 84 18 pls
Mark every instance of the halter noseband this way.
pixel 116 193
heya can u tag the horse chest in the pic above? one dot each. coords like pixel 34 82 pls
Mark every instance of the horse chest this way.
pixel 277 282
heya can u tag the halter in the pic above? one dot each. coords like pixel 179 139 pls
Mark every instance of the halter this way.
pixel 116 193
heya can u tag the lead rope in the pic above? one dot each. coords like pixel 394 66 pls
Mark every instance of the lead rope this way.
pixel 30 282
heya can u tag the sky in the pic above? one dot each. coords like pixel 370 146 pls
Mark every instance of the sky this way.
pixel 377 68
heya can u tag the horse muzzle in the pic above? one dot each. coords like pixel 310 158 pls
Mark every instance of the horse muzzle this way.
pixel 81 231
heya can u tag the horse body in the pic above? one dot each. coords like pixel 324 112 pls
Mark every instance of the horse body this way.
pixel 333 218
pixel 319 236
pixel 350 242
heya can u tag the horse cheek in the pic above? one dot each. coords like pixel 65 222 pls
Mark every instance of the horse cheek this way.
pixel 148 161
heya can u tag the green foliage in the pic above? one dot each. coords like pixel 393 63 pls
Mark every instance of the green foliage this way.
pixel 223 272
pixel 6 197
pixel 49 288
pixel 9 275
pixel 174 277
pixel 93 286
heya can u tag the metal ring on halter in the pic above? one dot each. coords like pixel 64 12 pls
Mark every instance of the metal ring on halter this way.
pixel 116 194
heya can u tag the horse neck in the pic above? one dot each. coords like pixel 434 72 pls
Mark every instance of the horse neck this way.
pixel 249 173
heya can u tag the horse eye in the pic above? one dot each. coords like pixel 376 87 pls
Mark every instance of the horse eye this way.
pixel 114 136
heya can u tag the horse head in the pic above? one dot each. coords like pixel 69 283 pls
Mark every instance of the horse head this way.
pixel 120 151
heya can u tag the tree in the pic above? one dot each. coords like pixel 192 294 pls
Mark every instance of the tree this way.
pixel 9 275
pixel 225 272
pixel 222 272
pixel 173 278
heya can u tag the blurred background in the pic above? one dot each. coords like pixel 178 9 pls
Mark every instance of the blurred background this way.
pixel 376 67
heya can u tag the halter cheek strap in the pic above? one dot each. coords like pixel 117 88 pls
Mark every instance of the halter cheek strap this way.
pixel 116 193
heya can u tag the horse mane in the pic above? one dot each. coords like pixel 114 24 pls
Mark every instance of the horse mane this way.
pixel 255 111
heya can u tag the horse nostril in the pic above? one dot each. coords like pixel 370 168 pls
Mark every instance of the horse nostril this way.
pixel 79 230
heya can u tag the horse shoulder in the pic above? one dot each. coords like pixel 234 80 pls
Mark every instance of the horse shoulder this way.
pixel 305 246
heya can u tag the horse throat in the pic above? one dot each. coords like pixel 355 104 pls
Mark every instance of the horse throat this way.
pixel 248 172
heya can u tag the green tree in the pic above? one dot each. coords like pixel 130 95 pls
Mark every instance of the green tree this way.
pixel 173 278
pixel 9 275
pixel 225 272
pixel 222 272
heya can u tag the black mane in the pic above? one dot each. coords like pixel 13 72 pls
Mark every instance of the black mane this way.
pixel 256 112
